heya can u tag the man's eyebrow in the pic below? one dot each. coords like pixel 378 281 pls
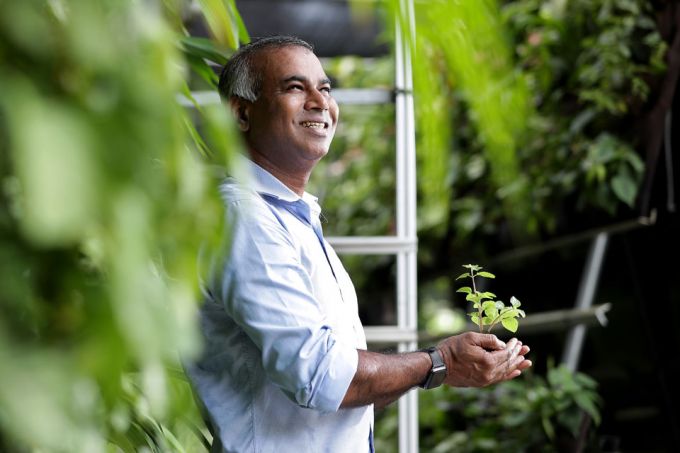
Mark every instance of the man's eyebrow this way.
pixel 303 79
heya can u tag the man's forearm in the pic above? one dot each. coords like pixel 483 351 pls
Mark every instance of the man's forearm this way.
pixel 472 360
pixel 382 378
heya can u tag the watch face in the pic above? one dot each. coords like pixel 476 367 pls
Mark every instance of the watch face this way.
pixel 438 372
pixel 438 377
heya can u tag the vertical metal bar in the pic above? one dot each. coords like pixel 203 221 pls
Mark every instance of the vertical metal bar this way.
pixel 406 219
pixel 668 151
pixel 584 299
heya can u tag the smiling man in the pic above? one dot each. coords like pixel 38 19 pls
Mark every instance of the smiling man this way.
pixel 285 366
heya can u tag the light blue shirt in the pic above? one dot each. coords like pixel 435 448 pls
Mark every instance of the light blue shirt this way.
pixel 281 330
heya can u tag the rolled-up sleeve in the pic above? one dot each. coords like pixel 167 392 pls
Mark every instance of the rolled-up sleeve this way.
pixel 269 294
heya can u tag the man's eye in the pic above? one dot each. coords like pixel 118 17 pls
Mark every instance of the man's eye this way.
pixel 295 87
pixel 326 89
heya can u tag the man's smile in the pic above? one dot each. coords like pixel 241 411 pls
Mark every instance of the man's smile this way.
pixel 314 124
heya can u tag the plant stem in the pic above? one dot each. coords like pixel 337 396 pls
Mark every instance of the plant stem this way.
pixel 479 302
pixel 472 277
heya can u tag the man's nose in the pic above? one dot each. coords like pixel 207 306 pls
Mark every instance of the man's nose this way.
pixel 317 100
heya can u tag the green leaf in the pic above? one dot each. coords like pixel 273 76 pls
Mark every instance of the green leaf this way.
pixel 486 320
pixel 548 427
pixel 464 289
pixel 488 304
pixel 203 69
pixel 511 324
pixel 488 295
pixel 462 276
pixel 492 313
pixel 472 267
pixel 624 186
pixel 203 48
pixel 187 93
pixel 243 34
pixel 490 309
pixel 197 139
pixel 221 22
pixel 507 312
pixel 475 319
pixel 486 274
pixel 585 380
pixel 588 405
pixel 515 302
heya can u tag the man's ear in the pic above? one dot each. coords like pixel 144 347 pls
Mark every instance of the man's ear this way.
pixel 241 110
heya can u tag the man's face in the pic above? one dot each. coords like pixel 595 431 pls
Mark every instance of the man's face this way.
pixel 293 121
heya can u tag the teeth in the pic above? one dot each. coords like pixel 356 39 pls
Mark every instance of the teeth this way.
pixel 313 124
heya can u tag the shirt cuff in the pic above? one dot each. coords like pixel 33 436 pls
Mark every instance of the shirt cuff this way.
pixel 340 365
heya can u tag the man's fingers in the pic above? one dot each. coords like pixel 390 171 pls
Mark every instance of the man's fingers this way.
pixel 489 342
pixel 512 375
pixel 511 351
pixel 517 371
pixel 524 365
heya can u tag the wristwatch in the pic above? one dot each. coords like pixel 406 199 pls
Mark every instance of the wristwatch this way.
pixel 438 372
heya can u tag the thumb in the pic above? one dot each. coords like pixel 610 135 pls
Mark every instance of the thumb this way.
pixel 489 341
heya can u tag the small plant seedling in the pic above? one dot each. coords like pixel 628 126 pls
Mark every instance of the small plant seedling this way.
pixel 489 312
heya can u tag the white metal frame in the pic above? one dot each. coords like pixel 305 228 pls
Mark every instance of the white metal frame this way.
pixel 405 244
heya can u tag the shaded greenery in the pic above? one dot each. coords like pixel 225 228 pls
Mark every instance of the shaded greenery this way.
pixel 532 414
pixel 583 73
pixel 559 85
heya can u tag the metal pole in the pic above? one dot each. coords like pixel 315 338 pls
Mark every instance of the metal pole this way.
pixel 406 220
pixel 584 299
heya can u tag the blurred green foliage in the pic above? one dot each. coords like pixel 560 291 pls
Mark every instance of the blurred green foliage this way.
pixel 107 192
pixel 531 414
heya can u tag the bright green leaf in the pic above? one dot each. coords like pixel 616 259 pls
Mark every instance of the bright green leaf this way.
pixel 488 304
pixel 511 324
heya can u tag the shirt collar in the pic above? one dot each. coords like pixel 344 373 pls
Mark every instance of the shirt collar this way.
pixel 268 185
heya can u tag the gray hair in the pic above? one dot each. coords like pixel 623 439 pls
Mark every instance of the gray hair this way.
pixel 239 78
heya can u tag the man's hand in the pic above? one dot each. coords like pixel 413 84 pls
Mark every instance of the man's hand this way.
pixel 477 360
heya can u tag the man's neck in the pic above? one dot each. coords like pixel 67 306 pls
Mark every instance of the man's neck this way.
pixel 294 180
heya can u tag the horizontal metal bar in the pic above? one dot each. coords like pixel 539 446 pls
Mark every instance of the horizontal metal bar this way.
pixel 345 96
pixel 363 96
pixel 534 249
pixel 389 334
pixel 372 245
pixel 201 97
pixel 549 321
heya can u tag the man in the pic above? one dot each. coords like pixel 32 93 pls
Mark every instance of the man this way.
pixel 286 367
